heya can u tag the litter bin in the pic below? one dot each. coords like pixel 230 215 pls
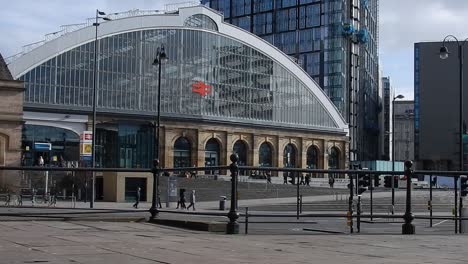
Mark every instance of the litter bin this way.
pixel 222 203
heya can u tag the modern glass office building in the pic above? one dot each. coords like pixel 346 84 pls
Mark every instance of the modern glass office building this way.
pixel 223 90
pixel 335 42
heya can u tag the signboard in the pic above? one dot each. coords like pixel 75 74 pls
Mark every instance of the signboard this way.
pixel 172 186
pixel 201 88
pixel 86 147
pixel 42 146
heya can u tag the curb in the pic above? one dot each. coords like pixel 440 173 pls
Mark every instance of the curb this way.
pixel 213 226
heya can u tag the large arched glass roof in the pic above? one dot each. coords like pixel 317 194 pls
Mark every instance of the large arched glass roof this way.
pixel 208 75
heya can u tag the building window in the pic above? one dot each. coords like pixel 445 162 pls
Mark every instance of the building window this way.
pixel 240 148
pixel 182 153
pixel 290 158
pixel 312 157
pixel 334 159
pixel 211 154
pixel 265 155
pixel 201 21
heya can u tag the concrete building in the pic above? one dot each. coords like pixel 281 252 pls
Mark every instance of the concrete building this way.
pixel 404 130
pixel 11 121
pixel 254 100
pixel 436 106
pixel 386 117
pixel 335 42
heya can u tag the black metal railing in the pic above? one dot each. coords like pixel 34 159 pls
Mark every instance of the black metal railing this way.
pixel 353 177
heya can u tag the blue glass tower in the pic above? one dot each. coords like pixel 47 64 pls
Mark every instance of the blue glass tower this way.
pixel 335 42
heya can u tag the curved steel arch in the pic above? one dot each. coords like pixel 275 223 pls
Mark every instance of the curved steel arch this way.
pixel 81 37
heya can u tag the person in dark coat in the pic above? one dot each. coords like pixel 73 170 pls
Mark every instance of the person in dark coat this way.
pixel 181 201
pixel 138 195
pixel 331 181
pixel 268 177
pixel 192 200
pixel 302 180
pixel 285 177
pixel 307 179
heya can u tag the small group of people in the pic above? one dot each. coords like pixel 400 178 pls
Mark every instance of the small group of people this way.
pixel 181 201
pixel 303 180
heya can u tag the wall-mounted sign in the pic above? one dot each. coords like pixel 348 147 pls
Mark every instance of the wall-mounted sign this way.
pixel 201 88
pixel 86 141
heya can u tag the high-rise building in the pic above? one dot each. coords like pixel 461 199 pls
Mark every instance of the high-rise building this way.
pixel 436 107
pixel 386 117
pixel 335 42
pixel 404 130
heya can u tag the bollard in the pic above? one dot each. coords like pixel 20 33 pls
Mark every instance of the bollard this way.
pixel 408 228
pixel 154 208
pixel 233 225
pixel 246 220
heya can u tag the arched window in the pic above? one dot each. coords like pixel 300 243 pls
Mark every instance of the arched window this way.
pixel 312 158
pixel 240 148
pixel 290 158
pixel 201 21
pixel 182 153
pixel 265 154
pixel 334 159
pixel 211 154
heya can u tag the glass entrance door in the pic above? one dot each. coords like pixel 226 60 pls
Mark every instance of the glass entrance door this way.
pixel 211 159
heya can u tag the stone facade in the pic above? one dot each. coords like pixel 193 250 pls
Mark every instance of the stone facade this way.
pixel 11 121
pixel 198 135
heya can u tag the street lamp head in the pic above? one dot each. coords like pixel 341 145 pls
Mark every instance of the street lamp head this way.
pixel 444 53
pixel 101 13
pixel 162 55
pixel 400 96
pixel 107 18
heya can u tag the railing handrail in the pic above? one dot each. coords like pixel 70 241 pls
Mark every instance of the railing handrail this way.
pixel 251 168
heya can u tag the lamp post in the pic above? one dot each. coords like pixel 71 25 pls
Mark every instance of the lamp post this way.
pixel 161 58
pixel 393 150
pixel 444 54
pixel 93 139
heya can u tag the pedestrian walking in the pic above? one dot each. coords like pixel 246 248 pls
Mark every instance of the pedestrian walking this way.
pixel 285 177
pixel 33 196
pixel 138 195
pixel 331 181
pixel 181 201
pixel 268 177
pixel 8 199
pixel 192 200
pixel 307 179
pixel 40 161
pixel 20 199
pixel 302 180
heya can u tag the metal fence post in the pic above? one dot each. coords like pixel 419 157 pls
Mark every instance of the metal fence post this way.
pixel 358 219
pixel 350 203
pixel 430 200
pixel 233 215
pixel 408 228
pixel 154 201
pixel 246 220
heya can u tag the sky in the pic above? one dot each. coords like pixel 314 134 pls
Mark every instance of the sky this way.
pixel 402 23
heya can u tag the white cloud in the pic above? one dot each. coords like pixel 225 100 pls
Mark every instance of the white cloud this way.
pixel 405 22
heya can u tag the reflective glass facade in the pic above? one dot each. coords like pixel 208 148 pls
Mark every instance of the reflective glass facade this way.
pixel 246 85
pixel 344 63
pixel 57 146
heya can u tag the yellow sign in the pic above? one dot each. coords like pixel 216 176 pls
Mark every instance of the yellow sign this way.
pixel 86 149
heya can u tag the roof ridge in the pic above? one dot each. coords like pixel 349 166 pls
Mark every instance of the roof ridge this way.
pixel 5 73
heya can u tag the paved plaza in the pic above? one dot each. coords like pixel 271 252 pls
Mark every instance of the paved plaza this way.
pixel 137 243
